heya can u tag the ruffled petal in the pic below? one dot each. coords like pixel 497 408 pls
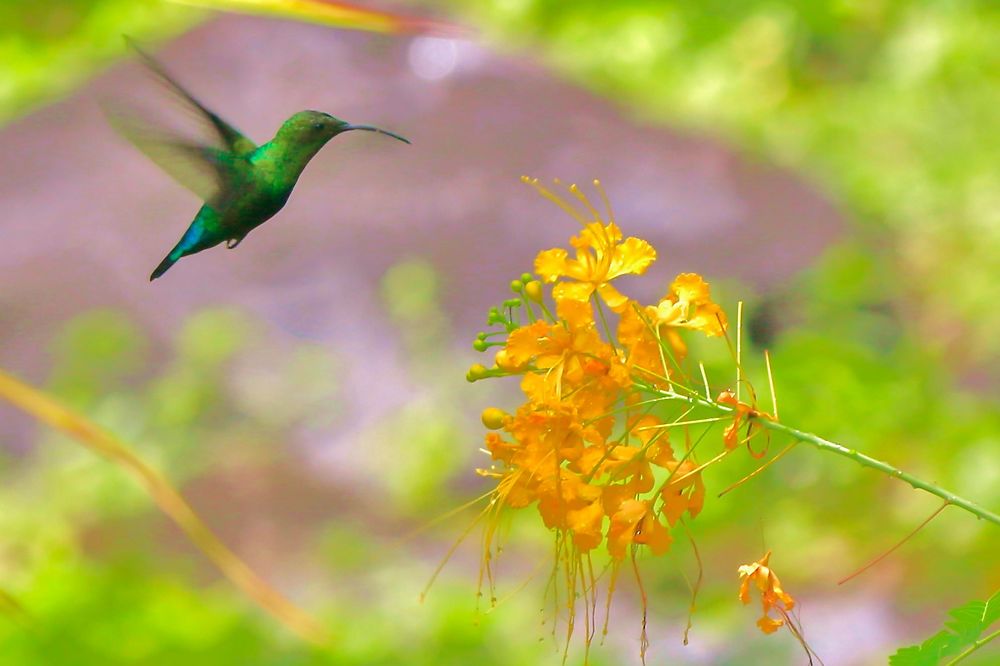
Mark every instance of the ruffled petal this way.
pixel 551 264
pixel 632 257
pixel 691 288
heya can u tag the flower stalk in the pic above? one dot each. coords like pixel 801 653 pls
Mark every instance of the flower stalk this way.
pixel 832 447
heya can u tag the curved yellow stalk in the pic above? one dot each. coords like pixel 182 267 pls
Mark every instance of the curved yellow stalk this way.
pixel 345 15
pixel 49 411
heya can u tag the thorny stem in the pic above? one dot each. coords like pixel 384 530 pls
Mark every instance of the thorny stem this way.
pixel 832 447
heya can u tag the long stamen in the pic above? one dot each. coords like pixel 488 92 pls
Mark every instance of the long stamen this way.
pixel 556 199
pixel 607 202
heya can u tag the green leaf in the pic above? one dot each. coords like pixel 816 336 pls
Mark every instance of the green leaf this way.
pixel 968 621
pixel 967 624
pixel 991 613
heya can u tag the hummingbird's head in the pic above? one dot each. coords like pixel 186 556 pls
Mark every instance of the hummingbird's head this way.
pixel 315 128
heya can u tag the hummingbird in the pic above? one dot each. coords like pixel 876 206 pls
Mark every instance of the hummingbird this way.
pixel 242 184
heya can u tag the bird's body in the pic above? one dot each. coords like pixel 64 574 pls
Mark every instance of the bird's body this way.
pixel 264 185
pixel 242 184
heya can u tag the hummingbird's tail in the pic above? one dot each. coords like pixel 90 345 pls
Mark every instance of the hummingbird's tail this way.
pixel 165 265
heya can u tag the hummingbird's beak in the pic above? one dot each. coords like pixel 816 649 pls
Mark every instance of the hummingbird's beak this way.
pixel 370 128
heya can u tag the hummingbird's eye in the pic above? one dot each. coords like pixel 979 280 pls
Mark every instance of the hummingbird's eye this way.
pixel 318 126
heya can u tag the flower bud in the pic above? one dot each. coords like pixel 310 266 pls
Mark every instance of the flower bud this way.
pixel 504 361
pixel 493 418
pixel 533 290
pixel 476 372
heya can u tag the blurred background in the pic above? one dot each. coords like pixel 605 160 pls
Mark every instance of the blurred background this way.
pixel 832 163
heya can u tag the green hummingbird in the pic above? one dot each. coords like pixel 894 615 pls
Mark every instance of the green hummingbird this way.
pixel 241 184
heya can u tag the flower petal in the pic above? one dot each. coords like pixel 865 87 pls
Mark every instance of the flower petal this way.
pixel 573 291
pixel 616 300
pixel 551 264
pixel 633 257
pixel 586 525
pixel 691 288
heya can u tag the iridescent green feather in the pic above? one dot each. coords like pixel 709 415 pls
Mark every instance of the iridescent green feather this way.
pixel 243 185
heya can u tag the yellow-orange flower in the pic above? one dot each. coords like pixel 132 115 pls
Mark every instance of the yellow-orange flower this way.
pixel 685 491
pixel 561 493
pixel 689 304
pixel 554 347
pixel 566 360
pixel 650 333
pixel 772 595
pixel 635 523
pixel 601 256
pixel 637 333
pixel 586 524
pixel 741 411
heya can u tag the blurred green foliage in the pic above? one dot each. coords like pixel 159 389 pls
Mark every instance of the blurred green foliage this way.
pixel 890 105
pixel 86 557
pixel 47 48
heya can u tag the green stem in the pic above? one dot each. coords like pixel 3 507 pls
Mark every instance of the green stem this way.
pixel 885 468
pixel 975 646
pixel 604 320
pixel 547 312
pixel 860 458
pixel 527 306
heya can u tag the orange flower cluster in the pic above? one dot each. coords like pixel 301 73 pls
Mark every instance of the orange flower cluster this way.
pixel 604 384
pixel 581 448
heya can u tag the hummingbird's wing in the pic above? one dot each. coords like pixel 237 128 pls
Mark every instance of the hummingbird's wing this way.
pixel 214 168
pixel 211 173
pixel 229 137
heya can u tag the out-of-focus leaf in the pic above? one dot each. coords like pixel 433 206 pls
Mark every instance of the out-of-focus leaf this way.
pixel 991 613
pixel 12 608
pixel 967 624
pixel 328 12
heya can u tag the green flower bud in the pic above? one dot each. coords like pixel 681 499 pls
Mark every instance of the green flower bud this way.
pixel 476 372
